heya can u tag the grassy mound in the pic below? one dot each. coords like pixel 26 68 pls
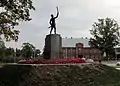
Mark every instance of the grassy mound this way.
pixel 59 75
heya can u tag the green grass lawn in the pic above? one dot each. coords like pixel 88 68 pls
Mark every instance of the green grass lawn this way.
pixel 116 66
pixel 1 63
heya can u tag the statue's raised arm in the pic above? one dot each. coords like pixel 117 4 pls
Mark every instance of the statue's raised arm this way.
pixel 57 12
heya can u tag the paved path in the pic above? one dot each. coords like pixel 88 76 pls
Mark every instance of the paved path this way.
pixel 54 64
pixel 109 63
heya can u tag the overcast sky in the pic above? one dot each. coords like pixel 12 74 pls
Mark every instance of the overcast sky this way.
pixel 75 19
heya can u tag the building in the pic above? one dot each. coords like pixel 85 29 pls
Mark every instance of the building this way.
pixel 78 47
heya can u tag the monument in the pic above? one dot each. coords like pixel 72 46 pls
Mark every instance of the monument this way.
pixel 53 42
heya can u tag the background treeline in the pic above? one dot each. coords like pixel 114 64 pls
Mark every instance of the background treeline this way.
pixel 27 51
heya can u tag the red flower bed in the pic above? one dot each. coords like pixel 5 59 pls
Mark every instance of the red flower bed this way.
pixel 59 61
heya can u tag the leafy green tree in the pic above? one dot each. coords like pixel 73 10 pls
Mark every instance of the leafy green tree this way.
pixel 105 34
pixel 2 53
pixel 37 52
pixel 9 52
pixel 2 49
pixel 18 52
pixel 9 55
pixel 2 44
pixel 12 12
pixel 27 50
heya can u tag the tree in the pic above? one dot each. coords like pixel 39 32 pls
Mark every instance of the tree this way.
pixel 12 13
pixel 9 52
pixel 9 55
pixel 18 52
pixel 2 49
pixel 37 52
pixel 2 53
pixel 105 34
pixel 27 50
pixel 2 44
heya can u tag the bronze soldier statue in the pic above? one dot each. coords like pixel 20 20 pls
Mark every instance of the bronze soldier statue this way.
pixel 52 22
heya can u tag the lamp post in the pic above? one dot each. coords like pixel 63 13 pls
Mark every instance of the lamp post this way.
pixel 116 53
pixel 14 51
pixel 104 55
pixel 14 55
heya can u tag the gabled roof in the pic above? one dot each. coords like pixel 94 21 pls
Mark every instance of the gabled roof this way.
pixel 71 42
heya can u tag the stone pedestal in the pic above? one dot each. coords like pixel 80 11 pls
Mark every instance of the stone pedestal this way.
pixel 53 46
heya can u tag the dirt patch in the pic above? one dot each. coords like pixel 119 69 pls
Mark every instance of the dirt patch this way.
pixel 59 75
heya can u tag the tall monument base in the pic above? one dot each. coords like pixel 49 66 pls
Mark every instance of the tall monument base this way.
pixel 53 46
